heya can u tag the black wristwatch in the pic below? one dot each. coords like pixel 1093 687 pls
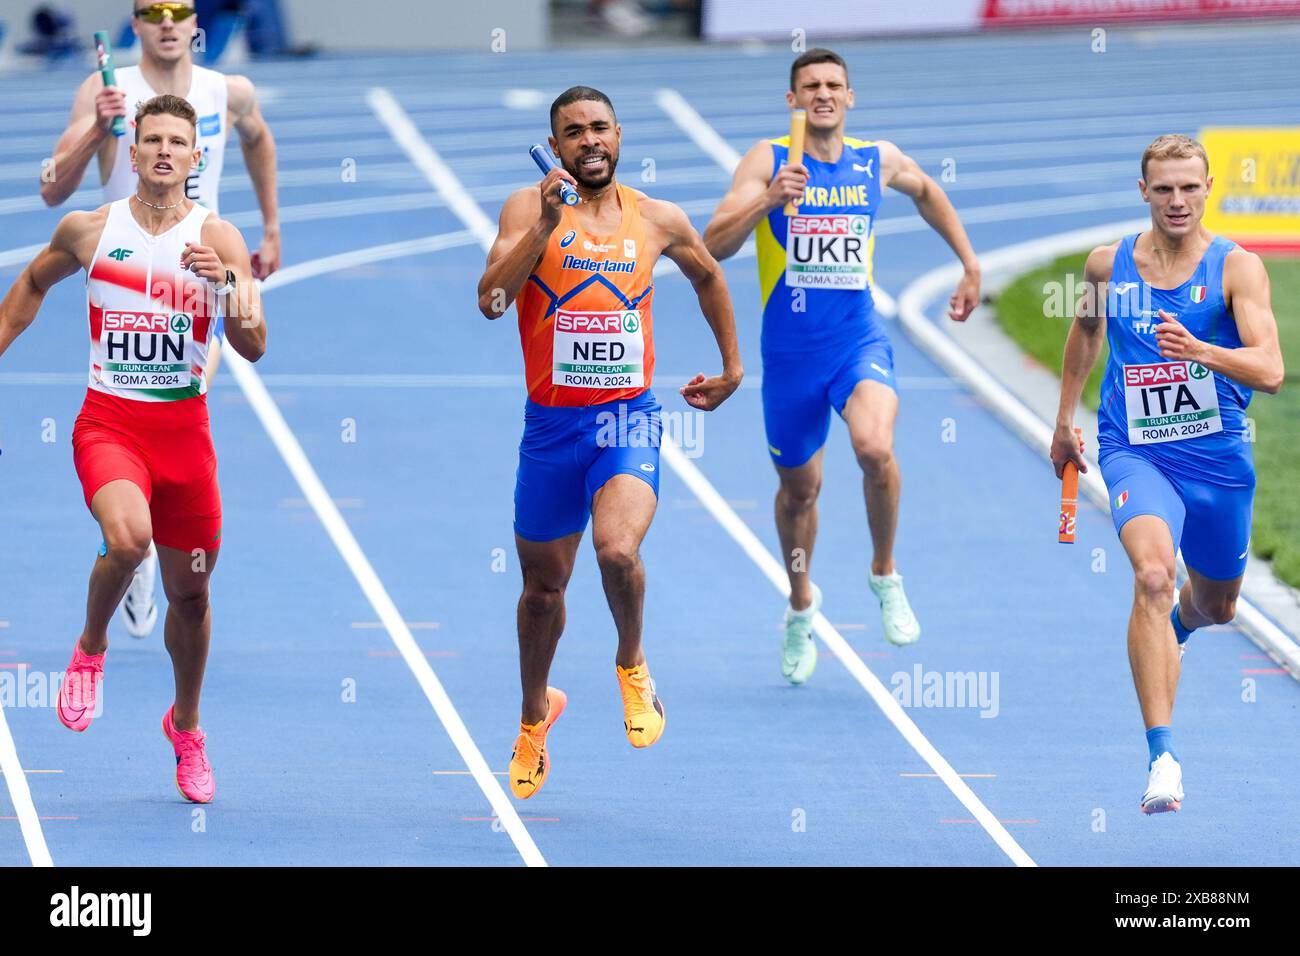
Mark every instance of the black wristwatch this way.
pixel 230 284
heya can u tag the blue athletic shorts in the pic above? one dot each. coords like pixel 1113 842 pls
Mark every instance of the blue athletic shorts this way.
pixel 1211 523
pixel 800 389
pixel 567 454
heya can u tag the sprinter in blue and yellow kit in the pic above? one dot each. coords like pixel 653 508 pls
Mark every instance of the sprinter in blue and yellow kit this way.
pixel 824 345
pixel 1191 333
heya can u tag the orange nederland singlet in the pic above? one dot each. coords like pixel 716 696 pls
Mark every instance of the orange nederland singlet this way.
pixel 584 313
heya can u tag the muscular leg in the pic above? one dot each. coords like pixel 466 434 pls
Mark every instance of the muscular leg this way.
pixel 1152 648
pixel 1204 601
pixel 547 566
pixel 188 628
pixel 796 525
pixel 870 413
pixel 621 511
pixel 123 515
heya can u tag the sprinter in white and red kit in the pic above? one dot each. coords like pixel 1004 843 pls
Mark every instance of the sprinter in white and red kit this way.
pixel 160 271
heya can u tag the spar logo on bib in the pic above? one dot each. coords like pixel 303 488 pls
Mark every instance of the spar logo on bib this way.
pixel 1170 401
pixel 603 350
pixel 146 349
pixel 827 252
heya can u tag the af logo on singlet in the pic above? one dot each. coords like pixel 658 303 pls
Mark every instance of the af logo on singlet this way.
pixel 599 349
pixel 147 349
pixel 827 252
pixel 1170 401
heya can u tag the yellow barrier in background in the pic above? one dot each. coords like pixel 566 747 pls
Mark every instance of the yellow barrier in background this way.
pixel 1255 200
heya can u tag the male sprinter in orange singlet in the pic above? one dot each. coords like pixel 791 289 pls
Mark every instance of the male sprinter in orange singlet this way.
pixel 160 269
pixel 581 277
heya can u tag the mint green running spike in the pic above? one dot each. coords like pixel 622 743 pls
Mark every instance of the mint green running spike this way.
pixel 901 626
pixel 799 652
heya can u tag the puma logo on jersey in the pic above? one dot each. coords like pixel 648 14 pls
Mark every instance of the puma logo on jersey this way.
pixel 858 168
pixel 120 254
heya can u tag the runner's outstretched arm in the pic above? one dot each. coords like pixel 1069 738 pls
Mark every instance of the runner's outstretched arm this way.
pixel 258 147
pixel 687 249
pixel 1087 333
pixel 900 171
pixel 52 265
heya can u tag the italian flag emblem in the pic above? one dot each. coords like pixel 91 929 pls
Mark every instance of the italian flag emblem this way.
pixel 1121 500
pixel 1198 293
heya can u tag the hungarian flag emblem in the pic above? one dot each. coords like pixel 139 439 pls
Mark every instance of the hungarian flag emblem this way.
pixel 1198 293
pixel 1120 501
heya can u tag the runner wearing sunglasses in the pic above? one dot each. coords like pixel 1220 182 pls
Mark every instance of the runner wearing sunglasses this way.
pixel 166 32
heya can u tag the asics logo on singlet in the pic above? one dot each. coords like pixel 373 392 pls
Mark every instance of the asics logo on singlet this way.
pixel 120 254
pixel 568 239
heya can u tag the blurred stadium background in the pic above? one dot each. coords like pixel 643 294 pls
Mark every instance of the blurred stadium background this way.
pixel 1009 95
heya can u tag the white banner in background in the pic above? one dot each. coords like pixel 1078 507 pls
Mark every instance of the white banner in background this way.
pixel 774 19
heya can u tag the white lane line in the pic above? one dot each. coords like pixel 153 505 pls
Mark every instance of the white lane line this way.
pixel 370 254
pixel 440 176
pixel 698 129
pixel 889 706
pixel 417 380
pixel 343 539
pixel 20 256
pixel 445 181
pixel 1022 420
pixel 337 528
pixel 314 490
pixel 21 797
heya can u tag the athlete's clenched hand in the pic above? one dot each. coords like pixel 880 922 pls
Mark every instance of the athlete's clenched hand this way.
pixel 1175 342
pixel 965 298
pixel 1067 446
pixel 706 394
pixel 204 262
pixel 110 105
pixel 787 185
pixel 552 201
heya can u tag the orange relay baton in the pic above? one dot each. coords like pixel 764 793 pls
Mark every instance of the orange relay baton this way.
pixel 1069 496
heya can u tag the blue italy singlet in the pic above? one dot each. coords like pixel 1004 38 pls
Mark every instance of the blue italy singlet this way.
pixel 1180 416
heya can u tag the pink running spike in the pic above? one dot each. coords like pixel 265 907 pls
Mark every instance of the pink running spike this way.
pixel 79 694
pixel 194 778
